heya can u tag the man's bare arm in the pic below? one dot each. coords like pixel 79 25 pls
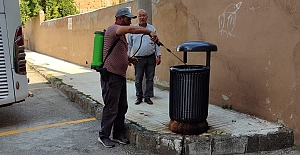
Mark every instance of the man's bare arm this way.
pixel 136 30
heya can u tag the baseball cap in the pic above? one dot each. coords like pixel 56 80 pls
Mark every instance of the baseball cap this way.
pixel 124 12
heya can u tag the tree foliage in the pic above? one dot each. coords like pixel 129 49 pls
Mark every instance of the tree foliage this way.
pixel 29 9
pixel 52 8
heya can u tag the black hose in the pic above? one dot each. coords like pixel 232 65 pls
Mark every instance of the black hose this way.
pixel 138 48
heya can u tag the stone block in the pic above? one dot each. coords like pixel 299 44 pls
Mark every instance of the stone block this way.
pixel 92 106
pixel 132 131
pixel 170 144
pixel 85 102
pixel 227 144
pixel 66 89
pixel 78 99
pixel 71 94
pixel 195 145
pixel 284 138
pixel 147 140
pixel 52 80
pixel 253 144
pixel 98 112
pixel 57 84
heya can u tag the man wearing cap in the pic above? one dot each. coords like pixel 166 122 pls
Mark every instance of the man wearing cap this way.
pixel 114 91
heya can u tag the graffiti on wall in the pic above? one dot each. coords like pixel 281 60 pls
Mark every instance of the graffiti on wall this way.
pixel 228 18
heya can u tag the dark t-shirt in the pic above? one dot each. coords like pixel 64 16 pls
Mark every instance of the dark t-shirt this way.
pixel 117 61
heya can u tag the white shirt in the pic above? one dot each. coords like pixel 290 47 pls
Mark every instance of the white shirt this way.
pixel 147 46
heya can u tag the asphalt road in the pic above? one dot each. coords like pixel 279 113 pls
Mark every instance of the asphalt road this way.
pixel 48 123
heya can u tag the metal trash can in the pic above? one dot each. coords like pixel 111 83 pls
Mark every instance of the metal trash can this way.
pixel 189 91
pixel 189 95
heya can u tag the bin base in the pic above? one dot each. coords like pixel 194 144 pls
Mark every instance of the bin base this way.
pixel 188 128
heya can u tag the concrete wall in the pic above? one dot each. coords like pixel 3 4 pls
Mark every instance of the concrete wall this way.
pixel 255 70
pixel 88 5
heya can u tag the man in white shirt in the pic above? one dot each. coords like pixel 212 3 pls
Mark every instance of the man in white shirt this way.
pixel 149 56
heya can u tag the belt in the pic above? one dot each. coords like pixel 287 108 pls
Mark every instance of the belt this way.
pixel 146 56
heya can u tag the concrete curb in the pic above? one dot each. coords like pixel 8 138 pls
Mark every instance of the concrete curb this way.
pixel 180 144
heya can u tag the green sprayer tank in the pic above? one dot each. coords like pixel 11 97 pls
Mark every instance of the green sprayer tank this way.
pixel 98 50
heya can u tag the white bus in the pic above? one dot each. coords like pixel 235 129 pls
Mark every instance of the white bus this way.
pixel 13 75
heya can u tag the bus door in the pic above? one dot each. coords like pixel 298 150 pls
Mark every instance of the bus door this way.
pixel 7 93
pixel 1 7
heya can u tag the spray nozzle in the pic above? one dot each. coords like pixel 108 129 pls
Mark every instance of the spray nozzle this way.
pixel 159 43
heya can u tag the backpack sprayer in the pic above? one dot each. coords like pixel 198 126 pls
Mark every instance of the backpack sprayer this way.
pixel 97 62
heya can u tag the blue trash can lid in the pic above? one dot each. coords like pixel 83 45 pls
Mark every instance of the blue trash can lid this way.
pixel 196 46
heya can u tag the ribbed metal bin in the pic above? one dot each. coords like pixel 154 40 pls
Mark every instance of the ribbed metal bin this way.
pixel 189 93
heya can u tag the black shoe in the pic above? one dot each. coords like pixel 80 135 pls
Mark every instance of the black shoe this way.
pixel 138 101
pixel 121 140
pixel 106 142
pixel 147 100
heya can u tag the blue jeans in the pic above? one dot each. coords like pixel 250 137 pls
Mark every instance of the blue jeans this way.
pixel 114 95
pixel 146 65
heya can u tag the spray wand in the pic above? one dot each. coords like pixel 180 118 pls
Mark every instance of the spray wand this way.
pixel 158 43
pixel 161 44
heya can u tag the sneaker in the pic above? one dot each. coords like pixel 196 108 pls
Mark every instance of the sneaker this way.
pixel 147 100
pixel 121 140
pixel 106 142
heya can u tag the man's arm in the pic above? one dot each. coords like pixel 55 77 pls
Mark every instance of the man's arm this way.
pixel 122 30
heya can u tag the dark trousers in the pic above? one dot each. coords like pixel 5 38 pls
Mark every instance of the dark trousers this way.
pixel 146 65
pixel 114 95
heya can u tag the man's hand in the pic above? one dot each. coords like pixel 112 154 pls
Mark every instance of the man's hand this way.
pixel 153 37
pixel 158 60
pixel 132 60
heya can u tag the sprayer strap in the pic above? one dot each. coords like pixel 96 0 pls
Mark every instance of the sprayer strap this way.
pixel 110 50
